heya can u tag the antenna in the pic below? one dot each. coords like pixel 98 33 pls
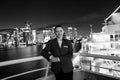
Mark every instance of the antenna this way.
pixel 91 30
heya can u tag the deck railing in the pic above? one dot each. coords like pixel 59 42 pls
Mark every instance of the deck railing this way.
pixel 18 61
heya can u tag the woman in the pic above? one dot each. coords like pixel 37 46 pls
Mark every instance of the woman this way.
pixel 59 52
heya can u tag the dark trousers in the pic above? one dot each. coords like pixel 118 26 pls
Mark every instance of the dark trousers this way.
pixel 64 76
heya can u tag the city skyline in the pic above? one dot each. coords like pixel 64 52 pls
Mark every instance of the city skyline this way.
pixel 16 13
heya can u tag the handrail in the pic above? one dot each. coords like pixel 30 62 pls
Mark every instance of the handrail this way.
pixel 16 75
pixel 102 67
pixel 17 61
pixel 100 56
pixel 94 42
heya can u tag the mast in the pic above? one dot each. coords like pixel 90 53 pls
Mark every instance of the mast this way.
pixel 91 31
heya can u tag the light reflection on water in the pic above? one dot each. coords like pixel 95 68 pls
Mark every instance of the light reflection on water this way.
pixel 17 53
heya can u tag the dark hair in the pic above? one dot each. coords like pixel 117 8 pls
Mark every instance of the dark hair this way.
pixel 57 27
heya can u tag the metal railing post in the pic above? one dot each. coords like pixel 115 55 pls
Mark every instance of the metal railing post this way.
pixel 47 70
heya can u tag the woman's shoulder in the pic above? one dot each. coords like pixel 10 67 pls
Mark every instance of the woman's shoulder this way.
pixel 52 40
pixel 67 40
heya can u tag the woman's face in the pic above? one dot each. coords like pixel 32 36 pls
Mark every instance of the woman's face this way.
pixel 59 32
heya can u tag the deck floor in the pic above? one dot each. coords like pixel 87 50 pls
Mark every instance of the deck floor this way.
pixel 76 76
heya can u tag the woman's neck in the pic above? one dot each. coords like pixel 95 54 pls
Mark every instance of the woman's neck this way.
pixel 59 39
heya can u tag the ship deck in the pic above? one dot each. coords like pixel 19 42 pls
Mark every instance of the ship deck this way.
pixel 78 75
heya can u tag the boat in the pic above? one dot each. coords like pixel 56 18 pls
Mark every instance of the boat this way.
pixel 102 52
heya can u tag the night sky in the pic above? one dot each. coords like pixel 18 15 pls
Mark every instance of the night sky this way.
pixel 14 13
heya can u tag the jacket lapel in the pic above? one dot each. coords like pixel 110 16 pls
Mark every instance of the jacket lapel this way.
pixel 59 49
pixel 56 43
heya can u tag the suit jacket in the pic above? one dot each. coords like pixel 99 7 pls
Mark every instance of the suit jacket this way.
pixel 65 54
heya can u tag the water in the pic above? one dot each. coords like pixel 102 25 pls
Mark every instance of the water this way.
pixel 20 53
